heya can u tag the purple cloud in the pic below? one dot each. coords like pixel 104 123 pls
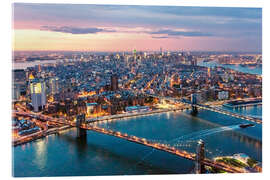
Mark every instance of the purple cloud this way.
pixel 160 37
pixel 74 30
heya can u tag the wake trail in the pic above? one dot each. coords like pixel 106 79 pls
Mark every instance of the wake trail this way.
pixel 194 136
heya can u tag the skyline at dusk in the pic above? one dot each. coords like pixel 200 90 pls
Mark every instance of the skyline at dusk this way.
pixel 110 90
pixel 88 27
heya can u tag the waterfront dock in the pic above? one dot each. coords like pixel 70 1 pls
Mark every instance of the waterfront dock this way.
pixel 38 135
pixel 243 103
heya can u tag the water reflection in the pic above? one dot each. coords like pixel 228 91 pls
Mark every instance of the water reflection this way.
pixel 168 115
pixel 40 153
pixel 255 111
pixel 88 147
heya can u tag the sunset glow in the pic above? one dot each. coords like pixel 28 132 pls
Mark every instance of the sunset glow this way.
pixel 122 28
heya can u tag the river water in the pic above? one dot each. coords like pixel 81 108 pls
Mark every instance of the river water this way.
pixel 250 70
pixel 98 154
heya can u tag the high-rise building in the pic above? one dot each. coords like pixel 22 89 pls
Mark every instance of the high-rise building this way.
pixel 15 92
pixel 53 85
pixel 194 62
pixel 19 83
pixel 38 94
pixel 135 54
pixel 19 88
pixel 145 55
pixel 189 58
pixel 209 72
pixel 39 68
pixel 19 75
pixel 114 82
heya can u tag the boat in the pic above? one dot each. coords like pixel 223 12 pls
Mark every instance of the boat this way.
pixel 246 125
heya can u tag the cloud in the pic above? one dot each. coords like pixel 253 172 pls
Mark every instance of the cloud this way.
pixel 232 22
pixel 160 37
pixel 181 33
pixel 161 33
pixel 75 30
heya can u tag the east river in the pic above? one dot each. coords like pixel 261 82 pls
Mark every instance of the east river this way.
pixel 98 154
pixel 252 70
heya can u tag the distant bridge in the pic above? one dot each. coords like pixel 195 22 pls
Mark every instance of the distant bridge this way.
pixel 209 108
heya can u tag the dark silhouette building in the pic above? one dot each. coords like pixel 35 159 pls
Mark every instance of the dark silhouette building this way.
pixel 114 82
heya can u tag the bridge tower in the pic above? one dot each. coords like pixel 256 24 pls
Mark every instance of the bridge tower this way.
pixel 199 166
pixel 194 110
pixel 80 119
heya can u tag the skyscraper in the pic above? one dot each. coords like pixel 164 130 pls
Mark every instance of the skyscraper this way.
pixel 114 82
pixel 189 58
pixel 15 91
pixel 209 72
pixel 135 54
pixel 38 94
pixel 194 62
pixel 19 75
pixel 53 85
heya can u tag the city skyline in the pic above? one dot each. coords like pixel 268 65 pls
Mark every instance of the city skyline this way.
pixel 102 90
pixel 48 27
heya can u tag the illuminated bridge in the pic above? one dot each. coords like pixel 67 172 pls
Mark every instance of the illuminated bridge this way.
pixel 153 144
pixel 209 108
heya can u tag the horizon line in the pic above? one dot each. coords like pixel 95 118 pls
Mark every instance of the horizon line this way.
pixel 164 50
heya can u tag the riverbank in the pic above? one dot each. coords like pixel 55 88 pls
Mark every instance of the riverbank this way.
pixel 243 103
pixel 38 135
pixel 242 161
pixel 127 115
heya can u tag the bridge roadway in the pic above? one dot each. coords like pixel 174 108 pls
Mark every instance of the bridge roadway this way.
pixel 217 110
pixel 138 140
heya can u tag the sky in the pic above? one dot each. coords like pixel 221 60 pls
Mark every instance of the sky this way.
pixel 144 28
